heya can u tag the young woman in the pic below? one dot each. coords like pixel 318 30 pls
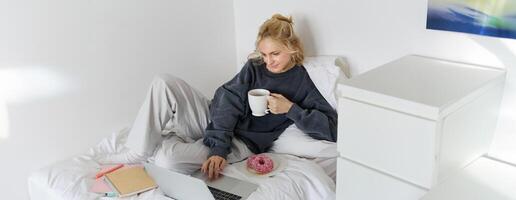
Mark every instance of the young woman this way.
pixel 184 131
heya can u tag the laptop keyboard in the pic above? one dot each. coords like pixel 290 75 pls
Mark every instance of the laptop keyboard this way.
pixel 222 195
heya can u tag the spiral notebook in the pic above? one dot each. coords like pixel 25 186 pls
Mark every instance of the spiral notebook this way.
pixel 130 181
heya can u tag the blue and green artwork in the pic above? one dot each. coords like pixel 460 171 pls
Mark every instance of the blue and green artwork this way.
pixel 484 17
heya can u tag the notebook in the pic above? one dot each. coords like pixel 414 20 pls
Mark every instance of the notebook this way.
pixel 100 186
pixel 130 181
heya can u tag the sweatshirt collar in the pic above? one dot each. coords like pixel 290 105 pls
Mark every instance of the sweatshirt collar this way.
pixel 286 73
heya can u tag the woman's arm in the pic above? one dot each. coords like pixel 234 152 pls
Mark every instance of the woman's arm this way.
pixel 227 106
pixel 315 117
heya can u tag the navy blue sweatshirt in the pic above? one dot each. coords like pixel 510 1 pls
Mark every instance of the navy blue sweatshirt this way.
pixel 231 115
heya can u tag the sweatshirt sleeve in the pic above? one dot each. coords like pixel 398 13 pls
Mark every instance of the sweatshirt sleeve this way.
pixel 315 117
pixel 227 106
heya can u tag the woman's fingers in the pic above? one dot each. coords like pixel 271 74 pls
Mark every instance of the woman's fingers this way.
pixel 210 169
pixel 273 101
pixel 222 165
pixel 276 95
pixel 219 167
pixel 205 166
pixel 213 166
pixel 278 104
pixel 216 170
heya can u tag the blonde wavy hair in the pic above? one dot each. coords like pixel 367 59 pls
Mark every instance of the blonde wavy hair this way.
pixel 280 29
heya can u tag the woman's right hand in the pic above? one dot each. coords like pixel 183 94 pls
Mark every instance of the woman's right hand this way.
pixel 213 166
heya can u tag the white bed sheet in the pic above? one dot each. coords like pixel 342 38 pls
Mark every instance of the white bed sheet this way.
pixel 71 179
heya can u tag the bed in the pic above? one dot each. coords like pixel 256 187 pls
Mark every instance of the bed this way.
pixel 309 171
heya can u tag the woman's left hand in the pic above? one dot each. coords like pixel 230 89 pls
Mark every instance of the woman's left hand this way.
pixel 278 104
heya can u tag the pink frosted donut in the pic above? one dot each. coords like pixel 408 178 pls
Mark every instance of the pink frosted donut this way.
pixel 260 164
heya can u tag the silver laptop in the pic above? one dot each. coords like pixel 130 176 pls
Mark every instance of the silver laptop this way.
pixel 183 187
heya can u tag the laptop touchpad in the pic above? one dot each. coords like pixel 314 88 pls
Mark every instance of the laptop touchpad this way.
pixel 223 183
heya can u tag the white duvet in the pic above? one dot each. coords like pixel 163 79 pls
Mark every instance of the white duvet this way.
pixel 71 179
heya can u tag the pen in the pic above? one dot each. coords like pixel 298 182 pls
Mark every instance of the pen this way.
pixel 102 173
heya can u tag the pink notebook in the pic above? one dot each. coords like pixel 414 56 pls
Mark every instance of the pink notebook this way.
pixel 100 186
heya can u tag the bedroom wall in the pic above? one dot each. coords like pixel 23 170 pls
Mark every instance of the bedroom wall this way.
pixel 370 33
pixel 72 72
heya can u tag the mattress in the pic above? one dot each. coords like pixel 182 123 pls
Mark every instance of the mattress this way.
pixel 301 178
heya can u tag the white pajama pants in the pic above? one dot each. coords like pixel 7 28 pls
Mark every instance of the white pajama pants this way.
pixel 171 124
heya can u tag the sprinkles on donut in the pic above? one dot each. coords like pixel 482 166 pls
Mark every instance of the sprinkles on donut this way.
pixel 260 164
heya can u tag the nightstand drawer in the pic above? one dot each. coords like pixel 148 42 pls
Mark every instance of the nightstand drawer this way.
pixel 399 144
pixel 356 182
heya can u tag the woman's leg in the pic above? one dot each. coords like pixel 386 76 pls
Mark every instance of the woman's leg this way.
pixel 171 106
pixel 178 155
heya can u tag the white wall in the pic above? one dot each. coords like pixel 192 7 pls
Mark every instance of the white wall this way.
pixel 74 71
pixel 372 32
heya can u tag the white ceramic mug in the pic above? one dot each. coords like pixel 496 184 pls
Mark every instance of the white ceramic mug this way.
pixel 258 101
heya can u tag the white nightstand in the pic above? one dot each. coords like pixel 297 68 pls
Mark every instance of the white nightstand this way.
pixel 408 124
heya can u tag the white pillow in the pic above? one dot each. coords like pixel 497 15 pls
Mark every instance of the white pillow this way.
pixel 324 73
pixel 295 142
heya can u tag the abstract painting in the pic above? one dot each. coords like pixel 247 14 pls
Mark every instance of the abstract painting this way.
pixel 484 17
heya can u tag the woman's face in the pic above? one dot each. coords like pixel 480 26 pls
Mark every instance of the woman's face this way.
pixel 275 55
